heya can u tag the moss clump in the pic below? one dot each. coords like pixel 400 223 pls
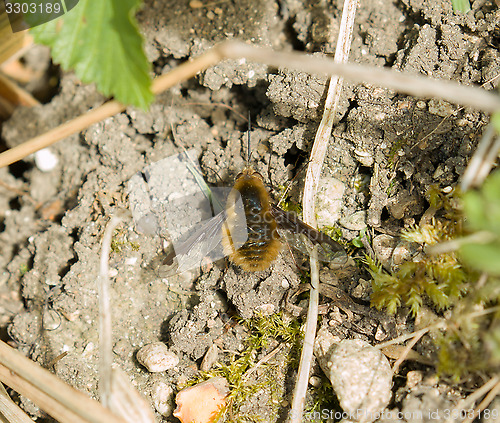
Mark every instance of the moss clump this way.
pixel 120 242
pixel 463 278
pixel 439 279
pixel 239 368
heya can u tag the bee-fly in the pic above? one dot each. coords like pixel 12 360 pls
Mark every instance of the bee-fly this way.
pixel 265 226
pixel 263 243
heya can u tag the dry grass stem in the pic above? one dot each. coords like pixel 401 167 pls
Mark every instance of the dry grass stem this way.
pixel 111 108
pixel 14 44
pixel 407 336
pixel 10 411
pixel 416 85
pixel 16 95
pixel 318 154
pixel 484 403
pixel 467 403
pixel 482 161
pixel 105 331
pixel 71 127
pixel 126 401
pixel 410 84
pixel 263 360
pixel 406 351
pixel 481 237
pixel 58 399
pixel 116 392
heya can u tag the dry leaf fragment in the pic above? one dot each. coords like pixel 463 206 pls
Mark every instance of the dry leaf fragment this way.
pixel 202 403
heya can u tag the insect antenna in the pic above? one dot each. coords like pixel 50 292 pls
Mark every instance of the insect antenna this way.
pixel 249 152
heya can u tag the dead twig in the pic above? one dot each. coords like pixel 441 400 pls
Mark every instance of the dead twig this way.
pixel 318 154
pixel 61 401
pixel 10 410
pixel 419 86
pixel 406 351
pixel 105 332
pixel 464 407
pixel 116 392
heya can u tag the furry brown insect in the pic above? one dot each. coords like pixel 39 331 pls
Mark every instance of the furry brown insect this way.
pixel 265 227
pixel 263 244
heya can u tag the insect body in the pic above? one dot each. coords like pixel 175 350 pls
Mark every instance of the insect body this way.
pixel 263 243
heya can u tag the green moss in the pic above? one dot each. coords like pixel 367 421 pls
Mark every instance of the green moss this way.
pixel 463 279
pixel 262 331
pixel 358 241
pixel 396 147
pixel 120 242
pixel 324 399
pixel 288 205
pixel 23 269
pixel 437 279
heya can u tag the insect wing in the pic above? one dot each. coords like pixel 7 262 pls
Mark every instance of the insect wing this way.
pixel 170 197
pixel 192 248
pixel 205 240
pixel 302 237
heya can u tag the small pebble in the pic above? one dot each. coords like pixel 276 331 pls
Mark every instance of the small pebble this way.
pixel 431 380
pixel 380 333
pixel 46 160
pixel 148 224
pixel 364 157
pixel 447 190
pixel 355 221
pixel 195 4
pixel 362 290
pixel 413 378
pixel 162 398
pixel 361 376
pixel 440 107
pixel 156 357
pixel 329 201
pixel 131 261
pixel 403 253
pixel 384 245
pixel 315 381
pixel 210 358
pixel 267 309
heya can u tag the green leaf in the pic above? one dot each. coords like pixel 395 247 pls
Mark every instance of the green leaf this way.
pixel 357 242
pixel 436 294
pixel 495 121
pixel 482 208
pixel 100 40
pixel 460 5
pixel 484 257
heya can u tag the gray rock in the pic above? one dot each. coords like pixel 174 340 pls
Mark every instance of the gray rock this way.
pixel 361 377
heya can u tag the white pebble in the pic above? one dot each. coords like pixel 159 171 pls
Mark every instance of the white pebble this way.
pixel 315 381
pixel 162 398
pixel 267 309
pixel 156 357
pixel 45 160
pixel 131 261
